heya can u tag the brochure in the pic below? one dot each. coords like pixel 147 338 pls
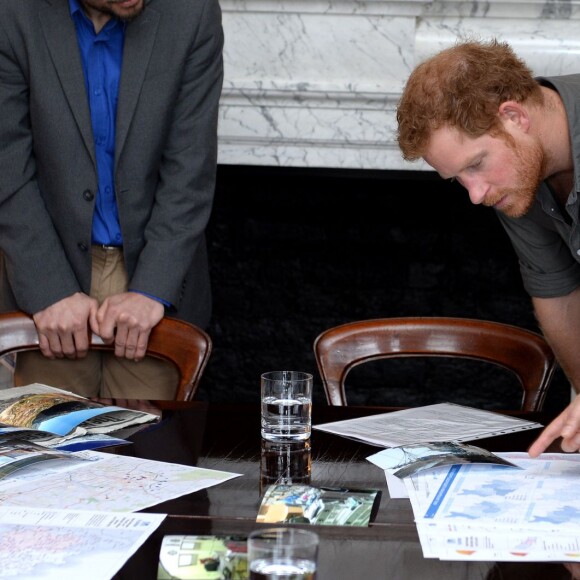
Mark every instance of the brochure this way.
pixel 78 443
pixel 60 415
pixel 407 460
pixel 323 506
pixel 493 513
pixel 203 558
pixel 15 455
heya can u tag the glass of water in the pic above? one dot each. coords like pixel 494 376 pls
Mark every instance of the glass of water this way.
pixel 286 405
pixel 282 554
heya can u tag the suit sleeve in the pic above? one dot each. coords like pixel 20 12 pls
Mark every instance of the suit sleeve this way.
pixel 184 195
pixel 37 268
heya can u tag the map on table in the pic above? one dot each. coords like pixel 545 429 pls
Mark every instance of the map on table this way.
pixel 108 482
pixel 68 544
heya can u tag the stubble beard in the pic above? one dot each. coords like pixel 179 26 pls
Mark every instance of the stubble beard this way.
pixel 530 172
pixel 111 9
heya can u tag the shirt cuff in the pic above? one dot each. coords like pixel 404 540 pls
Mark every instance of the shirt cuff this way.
pixel 164 302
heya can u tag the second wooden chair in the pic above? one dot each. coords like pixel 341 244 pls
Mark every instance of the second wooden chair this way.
pixel 526 354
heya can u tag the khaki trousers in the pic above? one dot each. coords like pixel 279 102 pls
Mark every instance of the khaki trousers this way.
pixel 102 374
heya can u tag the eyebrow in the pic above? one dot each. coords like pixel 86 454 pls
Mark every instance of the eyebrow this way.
pixel 475 157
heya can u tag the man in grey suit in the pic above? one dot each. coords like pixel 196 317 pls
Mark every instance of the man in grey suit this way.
pixel 108 140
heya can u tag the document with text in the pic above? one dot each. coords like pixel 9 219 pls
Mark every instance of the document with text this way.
pixel 69 544
pixel 494 513
pixel 440 422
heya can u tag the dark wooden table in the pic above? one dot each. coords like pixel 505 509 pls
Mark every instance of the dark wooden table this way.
pixel 227 438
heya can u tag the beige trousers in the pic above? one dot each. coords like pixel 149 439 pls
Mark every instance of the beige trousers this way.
pixel 102 374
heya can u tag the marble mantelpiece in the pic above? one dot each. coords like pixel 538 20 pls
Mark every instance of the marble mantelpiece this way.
pixel 315 83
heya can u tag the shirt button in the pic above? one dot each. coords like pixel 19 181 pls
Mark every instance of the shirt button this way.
pixel 82 246
pixel 88 195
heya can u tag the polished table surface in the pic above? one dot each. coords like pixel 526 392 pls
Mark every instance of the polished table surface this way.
pixel 227 438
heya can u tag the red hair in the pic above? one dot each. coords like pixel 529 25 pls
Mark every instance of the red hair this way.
pixel 462 87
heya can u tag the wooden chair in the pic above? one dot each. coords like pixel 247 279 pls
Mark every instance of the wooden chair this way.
pixel 525 353
pixel 181 343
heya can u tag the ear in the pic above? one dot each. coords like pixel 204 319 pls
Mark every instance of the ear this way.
pixel 514 114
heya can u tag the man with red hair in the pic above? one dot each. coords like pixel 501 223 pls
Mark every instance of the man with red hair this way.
pixel 475 113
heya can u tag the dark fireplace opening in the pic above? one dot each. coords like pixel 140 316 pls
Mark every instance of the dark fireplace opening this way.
pixel 296 251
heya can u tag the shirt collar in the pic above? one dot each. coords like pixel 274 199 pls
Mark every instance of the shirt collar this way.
pixel 74 6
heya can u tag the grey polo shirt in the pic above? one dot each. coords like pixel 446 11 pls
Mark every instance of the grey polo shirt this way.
pixel 547 239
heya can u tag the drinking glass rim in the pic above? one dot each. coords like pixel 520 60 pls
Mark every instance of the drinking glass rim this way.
pixel 308 537
pixel 294 376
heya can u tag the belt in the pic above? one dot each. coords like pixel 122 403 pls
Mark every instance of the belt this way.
pixel 106 248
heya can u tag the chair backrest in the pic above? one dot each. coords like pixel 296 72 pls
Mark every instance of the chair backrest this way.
pixel 181 343
pixel 525 353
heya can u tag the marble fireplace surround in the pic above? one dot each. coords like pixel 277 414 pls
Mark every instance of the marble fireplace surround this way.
pixel 315 83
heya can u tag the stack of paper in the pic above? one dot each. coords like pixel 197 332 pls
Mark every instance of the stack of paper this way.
pixel 66 514
pixel 74 521
pixel 496 513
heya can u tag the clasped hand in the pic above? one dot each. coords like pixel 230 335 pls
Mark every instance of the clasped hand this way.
pixel 123 319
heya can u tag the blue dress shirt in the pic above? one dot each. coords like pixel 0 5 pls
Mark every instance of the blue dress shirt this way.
pixel 102 57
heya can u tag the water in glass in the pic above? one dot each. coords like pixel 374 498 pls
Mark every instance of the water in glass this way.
pixel 286 419
pixel 283 569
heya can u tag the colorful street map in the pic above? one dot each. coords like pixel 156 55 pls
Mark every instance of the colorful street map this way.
pixel 68 545
pixel 113 483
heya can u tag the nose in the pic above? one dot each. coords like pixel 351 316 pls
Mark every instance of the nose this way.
pixel 477 190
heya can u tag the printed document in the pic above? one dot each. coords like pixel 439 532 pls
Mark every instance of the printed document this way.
pixel 440 422
pixel 68 545
pixel 495 513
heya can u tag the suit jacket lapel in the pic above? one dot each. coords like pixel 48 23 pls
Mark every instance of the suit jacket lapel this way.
pixel 139 41
pixel 64 51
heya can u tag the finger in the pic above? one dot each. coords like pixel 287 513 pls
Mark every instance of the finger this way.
pixel 93 319
pixel 106 325
pixel 44 346
pixel 67 345
pixel 142 344
pixel 131 345
pixel 81 342
pixel 121 339
pixel 572 424
pixel 571 444
pixel 548 435
pixel 54 344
